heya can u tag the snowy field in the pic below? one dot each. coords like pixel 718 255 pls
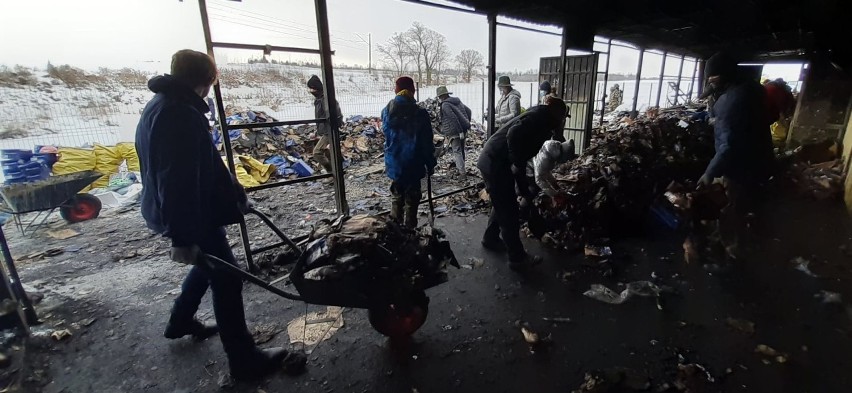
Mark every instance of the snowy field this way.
pixel 50 112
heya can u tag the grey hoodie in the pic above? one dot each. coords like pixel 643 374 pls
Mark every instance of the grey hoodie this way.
pixel 455 117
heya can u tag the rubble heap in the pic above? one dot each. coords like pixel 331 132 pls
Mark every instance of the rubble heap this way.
pixel 363 251
pixel 821 181
pixel 613 183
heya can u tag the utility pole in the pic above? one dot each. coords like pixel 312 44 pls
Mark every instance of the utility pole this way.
pixel 369 42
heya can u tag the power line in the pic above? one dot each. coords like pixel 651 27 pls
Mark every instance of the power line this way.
pixel 279 20
pixel 218 18
pixel 276 26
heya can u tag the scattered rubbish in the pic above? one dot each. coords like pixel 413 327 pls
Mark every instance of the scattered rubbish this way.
pixel 801 264
pixel 692 377
pixel 598 251
pixel 225 380
pixel 60 335
pixel 636 288
pixel 829 297
pixel 265 332
pixel 770 352
pixel 54 252
pixel 87 322
pixel 62 234
pixel 315 327
pixel 557 319
pixel 613 380
pixel 530 336
pixel 741 325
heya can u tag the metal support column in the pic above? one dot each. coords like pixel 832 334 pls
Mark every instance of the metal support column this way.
pixel 330 99
pixel 606 80
pixel 563 48
pixel 223 130
pixel 692 80
pixel 492 71
pixel 662 74
pixel 700 90
pixel 638 79
pixel 679 76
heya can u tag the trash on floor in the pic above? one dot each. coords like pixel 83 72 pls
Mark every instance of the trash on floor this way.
pixel 315 327
pixel 828 297
pixel 636 288
pixel 613 380
pixel 741 325
pixel 772 353
pixel 801 264
pixel 62 234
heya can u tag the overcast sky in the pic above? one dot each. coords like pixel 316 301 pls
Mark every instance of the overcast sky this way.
pixel 144 33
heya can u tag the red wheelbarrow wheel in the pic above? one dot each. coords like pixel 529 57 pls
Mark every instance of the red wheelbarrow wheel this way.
pixel 401 319
pixel 80 208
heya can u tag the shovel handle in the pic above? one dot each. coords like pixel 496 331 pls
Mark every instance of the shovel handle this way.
pixel 429 194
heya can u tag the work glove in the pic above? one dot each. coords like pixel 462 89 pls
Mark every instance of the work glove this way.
pixel 186 255
pixel 461 136
pixel 704 181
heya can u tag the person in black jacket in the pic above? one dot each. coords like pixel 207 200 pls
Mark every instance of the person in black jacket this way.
pixel 503 165
pixel 321 152
pixel 188 197
pixel 744 158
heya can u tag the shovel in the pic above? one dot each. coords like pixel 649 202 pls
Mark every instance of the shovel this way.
pixel 431 202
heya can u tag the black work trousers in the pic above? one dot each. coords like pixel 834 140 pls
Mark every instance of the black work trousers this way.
pixel 504 221
pixel 227 297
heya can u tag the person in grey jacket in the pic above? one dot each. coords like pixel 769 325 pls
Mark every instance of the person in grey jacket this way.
pixel 455 122
pixel 509 105
pixel 321 153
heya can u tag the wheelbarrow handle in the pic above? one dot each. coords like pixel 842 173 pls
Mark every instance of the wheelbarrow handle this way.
pixel 216 263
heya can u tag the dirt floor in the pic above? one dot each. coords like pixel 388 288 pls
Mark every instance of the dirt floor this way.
pixel 113 285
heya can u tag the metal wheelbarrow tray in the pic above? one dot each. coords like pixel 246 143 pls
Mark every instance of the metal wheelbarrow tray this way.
pixel 55 192
pixel 390 285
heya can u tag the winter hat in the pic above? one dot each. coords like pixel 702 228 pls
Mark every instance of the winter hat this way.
pixel 504 81
pixel 442 90
pixel 404 83
pixel 567 151
pixel 720 64
pixel 544 86
pixel 556 104
pixel 315 83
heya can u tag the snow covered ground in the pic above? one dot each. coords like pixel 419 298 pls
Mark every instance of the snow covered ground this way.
pixel 50 112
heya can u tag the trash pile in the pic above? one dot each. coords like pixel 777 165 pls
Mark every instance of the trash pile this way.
pixel 371 257
pixel 611 186
pixel 289 148
pixel 816 170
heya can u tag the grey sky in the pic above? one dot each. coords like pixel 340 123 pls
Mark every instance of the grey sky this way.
pixel 144 33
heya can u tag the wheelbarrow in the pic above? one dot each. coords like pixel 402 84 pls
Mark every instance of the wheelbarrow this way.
pixel 396 307
pixel 46 196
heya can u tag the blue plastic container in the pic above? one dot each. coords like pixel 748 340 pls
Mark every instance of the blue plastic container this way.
pixel 16 154
pixel 302 169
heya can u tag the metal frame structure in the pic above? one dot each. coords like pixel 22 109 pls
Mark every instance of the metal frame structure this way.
pixel 325 54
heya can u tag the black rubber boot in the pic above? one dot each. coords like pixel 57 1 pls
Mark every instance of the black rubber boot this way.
pixel 198 330
pixel 260 363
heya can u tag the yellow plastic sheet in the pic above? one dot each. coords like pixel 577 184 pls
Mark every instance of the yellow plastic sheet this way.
pixel 72 160
pixel 107 161
pixel 779 133
pixel 127 151
pixel 251 172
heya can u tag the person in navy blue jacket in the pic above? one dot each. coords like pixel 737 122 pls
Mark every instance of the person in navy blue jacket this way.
pixel 744 157
pixel 189 196
pixel 409 150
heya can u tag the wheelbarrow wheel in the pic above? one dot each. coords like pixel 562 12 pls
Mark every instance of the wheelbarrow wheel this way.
pixel 80 208
pixel 400 319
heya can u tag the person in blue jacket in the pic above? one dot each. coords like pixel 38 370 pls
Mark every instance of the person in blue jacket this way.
pixel 189 197
pixel 409 150
pixel 744 157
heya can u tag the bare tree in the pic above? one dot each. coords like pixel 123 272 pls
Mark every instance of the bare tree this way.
pixel 428 48
pixel 469 61
pixel 396 53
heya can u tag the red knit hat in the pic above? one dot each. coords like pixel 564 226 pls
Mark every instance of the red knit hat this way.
pixel 404 83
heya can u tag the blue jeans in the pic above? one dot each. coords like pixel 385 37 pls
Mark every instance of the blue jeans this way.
pixel 227 296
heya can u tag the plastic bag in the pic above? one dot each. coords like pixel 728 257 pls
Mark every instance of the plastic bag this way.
pixel 636 288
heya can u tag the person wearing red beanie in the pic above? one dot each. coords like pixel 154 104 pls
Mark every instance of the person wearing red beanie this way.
pixel 404 83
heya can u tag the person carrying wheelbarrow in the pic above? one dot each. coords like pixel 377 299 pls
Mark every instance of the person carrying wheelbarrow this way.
pixel 409 151
pixel 189 197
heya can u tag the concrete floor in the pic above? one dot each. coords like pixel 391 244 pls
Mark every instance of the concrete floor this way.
pixel 471 341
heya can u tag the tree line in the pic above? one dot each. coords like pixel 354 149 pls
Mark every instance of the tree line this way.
pixel 425 52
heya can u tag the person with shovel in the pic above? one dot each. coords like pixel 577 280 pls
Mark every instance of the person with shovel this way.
pixel 189 197
pixel 503 165
pixel 409 151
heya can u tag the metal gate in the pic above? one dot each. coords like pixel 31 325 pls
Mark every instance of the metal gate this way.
pixel 580 79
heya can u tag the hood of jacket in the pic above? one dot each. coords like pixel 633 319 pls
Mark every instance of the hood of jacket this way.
pixel 514 93
pixel 401 110
pixel 173 87
pixel 455 101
